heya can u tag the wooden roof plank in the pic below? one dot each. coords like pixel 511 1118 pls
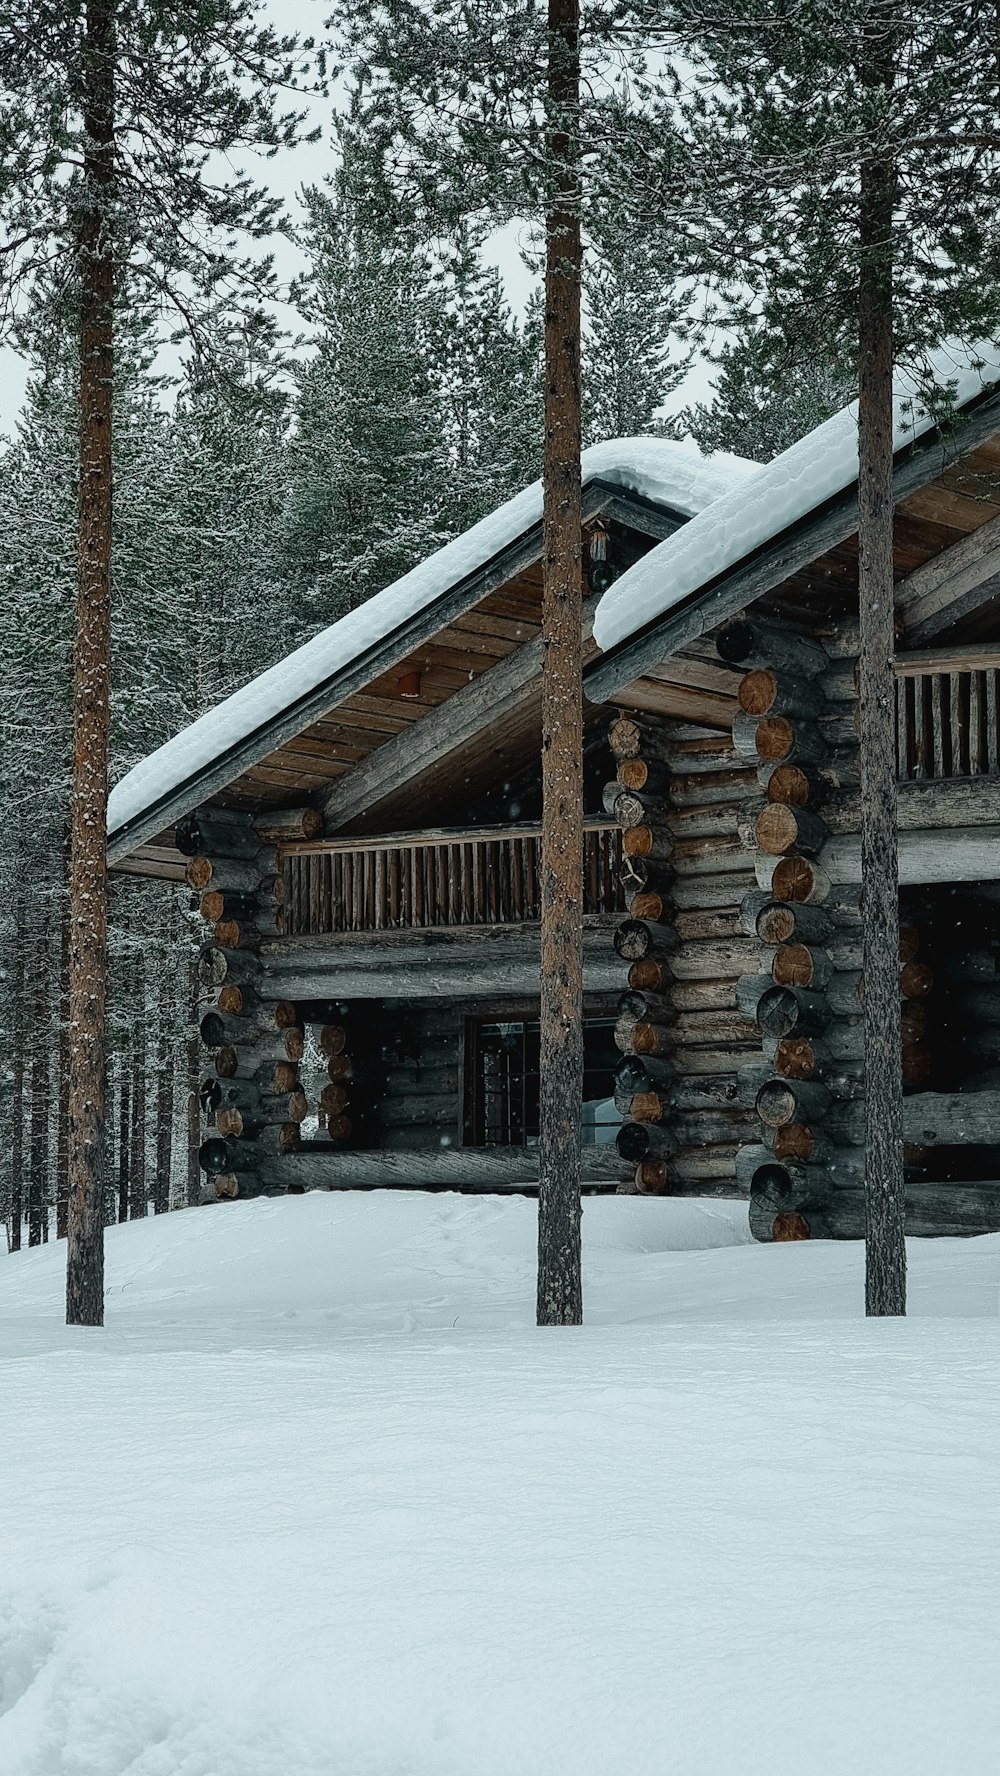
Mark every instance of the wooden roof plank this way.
pixel 785 555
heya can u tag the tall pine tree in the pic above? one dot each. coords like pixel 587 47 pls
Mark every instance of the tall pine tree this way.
pixel 111 116
pixel 845 159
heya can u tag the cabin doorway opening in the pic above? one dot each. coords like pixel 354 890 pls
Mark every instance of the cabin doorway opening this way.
pixel 950 1012
pixel 502 1072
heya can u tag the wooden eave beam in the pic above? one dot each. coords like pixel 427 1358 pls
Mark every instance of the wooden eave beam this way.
pixel 951 585
pixel 478 706
pixel 790 553
pixel 598 498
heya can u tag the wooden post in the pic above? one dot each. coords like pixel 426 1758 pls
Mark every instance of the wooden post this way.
pixel 560 1292
pixel 885 1201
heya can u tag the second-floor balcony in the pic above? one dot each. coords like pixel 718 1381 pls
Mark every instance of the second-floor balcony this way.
pixel 428 880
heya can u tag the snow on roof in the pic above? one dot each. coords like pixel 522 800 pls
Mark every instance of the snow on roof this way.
pixel 670 474
pixel 754 511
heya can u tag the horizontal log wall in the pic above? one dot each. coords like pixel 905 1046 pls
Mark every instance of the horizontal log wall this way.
pixel 805 1172
pixel 252 1095
pixel 680 792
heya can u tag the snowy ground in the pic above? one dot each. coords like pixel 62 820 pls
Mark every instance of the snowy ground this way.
pixel 320 1502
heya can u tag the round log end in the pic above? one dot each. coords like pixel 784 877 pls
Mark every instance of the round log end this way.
pixel 790 1226
pixel 793 966
pixel 625 737
pixel 226 1186
pixel 286 1077
pixel 231 1001
pixel 295 1043
pixel 777 829
pixel 212 1154
pixel 909 942
pixel 633 773
pixel 789 784
pixel 648 976
pixel 638 841
pixel 775 923
pixel 734 643
pixel 651 1177
pixel 774 739
pixel 198 872
pixel 795 1058
pixel 298 1105
pixel 226 1062
pixel 757 692
pixel 915 980
pixel 213 905
pixel 794 879
pixel 795 1141
pixel 646 1107
pixel 645 905
pixel 775 1104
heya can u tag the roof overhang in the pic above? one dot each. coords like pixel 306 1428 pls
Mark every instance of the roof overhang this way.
pixel 824 527
pixel 600 498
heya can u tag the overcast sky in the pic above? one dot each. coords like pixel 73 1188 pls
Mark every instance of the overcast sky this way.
pixel 286 175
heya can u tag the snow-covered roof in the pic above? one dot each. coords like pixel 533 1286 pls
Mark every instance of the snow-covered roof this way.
pixel 669 474
pixel 756 510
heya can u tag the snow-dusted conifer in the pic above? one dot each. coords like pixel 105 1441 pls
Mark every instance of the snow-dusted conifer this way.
pixel 112 119
pixel 634 306
pixel 846 163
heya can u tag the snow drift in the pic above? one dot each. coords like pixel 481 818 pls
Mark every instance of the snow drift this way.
pixel 320 1501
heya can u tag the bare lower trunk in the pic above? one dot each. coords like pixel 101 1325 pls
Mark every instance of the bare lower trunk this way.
pixel 164 1117
pixel 124 1134
pixel 62 1139
pixel 560 1294
pixel 137 1176
pixel 193 1058
pixel 38 1171
pixel 17 1084
pixel 88 878
pixel 885 1284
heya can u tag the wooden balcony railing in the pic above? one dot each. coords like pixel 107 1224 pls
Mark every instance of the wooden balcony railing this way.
pixel 946 714
pixel 416 881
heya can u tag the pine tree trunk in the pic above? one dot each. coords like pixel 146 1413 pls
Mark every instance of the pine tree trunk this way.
pixel 124 1134
pixel 17 1082
pixel 885 1245
pixel 165 1087
pixel 88 880
pixel 137 1201
pixel 560 1292
pixel 193 1058
pixel 38 1171
pixel 62 1138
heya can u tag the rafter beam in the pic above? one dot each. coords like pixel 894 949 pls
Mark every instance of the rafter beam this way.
pixel 944 590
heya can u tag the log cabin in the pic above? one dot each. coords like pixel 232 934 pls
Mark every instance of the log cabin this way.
pixel 361 823
pixel 750 878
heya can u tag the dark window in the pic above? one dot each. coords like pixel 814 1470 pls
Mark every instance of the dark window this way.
pixel 502 1073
